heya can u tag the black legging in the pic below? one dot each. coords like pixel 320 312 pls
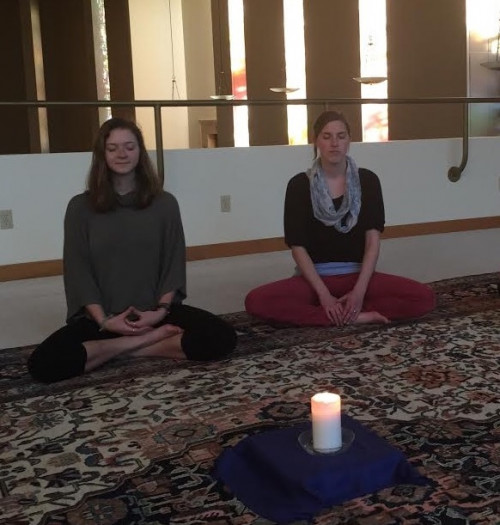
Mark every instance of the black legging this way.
pixel 62 355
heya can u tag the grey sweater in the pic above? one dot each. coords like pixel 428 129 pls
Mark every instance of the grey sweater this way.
pixel 125 257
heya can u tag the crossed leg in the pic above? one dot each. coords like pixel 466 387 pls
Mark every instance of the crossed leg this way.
pixel 164 341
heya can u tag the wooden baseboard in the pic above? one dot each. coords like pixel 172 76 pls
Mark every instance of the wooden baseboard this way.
pixel 35 269
pixel 432 228
pixel 31 270
pixel 231 249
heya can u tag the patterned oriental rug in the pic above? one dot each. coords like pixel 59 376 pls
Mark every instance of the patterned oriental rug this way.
pixel 135 441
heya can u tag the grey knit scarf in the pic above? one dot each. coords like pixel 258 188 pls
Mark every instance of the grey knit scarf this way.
pixel 322 203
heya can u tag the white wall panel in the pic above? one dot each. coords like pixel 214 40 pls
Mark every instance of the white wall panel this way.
pixel 413 175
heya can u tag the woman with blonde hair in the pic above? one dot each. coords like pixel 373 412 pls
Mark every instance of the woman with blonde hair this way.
pixel 334 215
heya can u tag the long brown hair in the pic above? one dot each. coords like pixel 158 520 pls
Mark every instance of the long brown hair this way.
pixel 323 120
pixel 99 181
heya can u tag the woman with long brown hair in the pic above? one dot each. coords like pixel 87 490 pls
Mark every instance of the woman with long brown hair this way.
pixel 125 270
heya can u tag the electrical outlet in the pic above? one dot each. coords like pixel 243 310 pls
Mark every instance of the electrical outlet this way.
pixel 225 203
pixel 6 222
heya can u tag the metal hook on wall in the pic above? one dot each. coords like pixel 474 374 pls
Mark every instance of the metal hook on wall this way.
pixel 455 172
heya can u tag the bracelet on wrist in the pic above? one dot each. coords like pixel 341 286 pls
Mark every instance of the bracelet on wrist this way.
pixel 102 324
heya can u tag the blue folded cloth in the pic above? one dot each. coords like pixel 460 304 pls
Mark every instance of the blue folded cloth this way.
pixel 276 478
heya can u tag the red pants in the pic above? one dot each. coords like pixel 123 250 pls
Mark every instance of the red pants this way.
pixel 294 301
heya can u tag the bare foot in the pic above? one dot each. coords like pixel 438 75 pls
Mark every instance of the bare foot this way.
pixel 371 317
pixel 167 345
pixel 154 336
pixel 170 329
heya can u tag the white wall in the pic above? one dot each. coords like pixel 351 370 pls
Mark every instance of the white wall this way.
pixel 37 188
pixel 413 175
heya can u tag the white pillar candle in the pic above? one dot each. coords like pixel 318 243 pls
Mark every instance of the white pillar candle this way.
pixel 326 425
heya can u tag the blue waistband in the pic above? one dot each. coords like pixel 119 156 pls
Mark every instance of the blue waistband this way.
pixel 337 268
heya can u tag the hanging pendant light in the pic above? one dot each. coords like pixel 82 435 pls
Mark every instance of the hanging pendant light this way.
pixel 284 89
pixel 175 87
pixel 372 79
pixel 293 48
pixel 222 92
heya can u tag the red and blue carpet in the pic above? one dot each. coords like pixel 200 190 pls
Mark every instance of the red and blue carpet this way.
pixel 135 442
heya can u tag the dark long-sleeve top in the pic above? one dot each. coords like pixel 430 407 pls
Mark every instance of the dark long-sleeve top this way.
pixel 125 257
pixel 324 243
